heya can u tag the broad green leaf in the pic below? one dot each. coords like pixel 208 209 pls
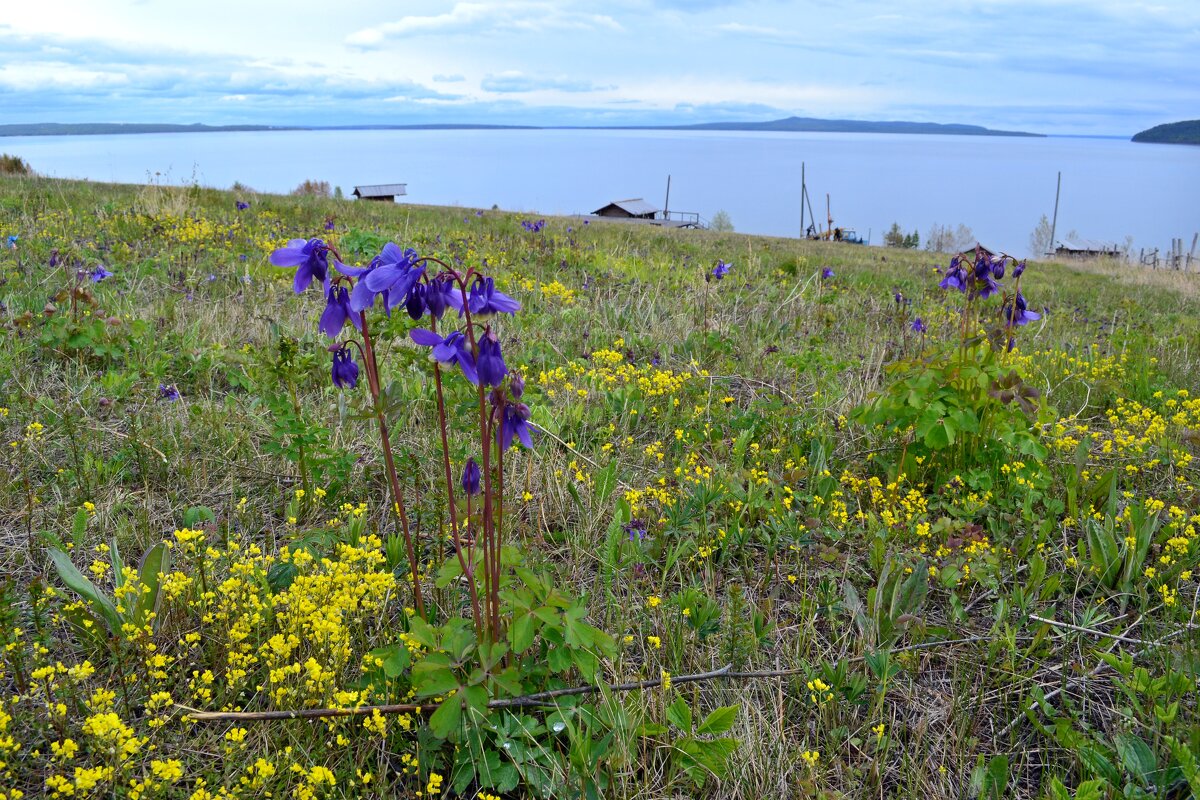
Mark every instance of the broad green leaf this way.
pixel 679 715
pixel 445 720
pixel 79 583
pixel 720 720
pixel 1137 757
pixel 155 564
pixel 522 632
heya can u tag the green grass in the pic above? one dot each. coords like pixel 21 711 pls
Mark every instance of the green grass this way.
pixel 727 417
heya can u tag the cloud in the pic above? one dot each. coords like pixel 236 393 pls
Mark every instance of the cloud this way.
pixel 517 83
pixel 448 78
pixel 484 18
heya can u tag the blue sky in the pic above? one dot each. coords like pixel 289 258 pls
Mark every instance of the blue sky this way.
pixel 1052 66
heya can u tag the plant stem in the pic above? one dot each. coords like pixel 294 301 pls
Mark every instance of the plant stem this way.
pixel 397 493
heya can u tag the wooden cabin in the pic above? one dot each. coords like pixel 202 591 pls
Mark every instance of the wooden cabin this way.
pixel 383 192
pixel 634 208
pixel 1086 248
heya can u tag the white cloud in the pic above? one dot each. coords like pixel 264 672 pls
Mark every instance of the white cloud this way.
pixel 532 17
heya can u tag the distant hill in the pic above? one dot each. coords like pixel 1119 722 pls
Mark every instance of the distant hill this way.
pixel 98 128
pixel 1187 132
pixel 847 126
pixel 790 124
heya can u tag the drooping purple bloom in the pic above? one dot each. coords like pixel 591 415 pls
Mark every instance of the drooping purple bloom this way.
pixel 533 227
pixel 345 371
pixel 470 477
pixel 414 303
pixel 440 293
pixel 453 349
pixel 168 392
pixel 490 364
pixel 516 385
pixel 721 270
pixel 919 326
pixel 1019 269
pixel 485 300
pixel 311 259
pixel 100 273
pixel 242 206
pixel 956 276
pixel 826 273
pixel 636 530
pixel 330 224
pixel 337 311
pixel 390 274
pixel 998 268
pixel 1016 312
pixel 985 287
pixel 514 425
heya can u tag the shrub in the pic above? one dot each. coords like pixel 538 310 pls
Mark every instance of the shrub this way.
pixel 13 165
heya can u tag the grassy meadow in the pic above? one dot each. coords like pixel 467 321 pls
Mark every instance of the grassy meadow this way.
pixel 927 565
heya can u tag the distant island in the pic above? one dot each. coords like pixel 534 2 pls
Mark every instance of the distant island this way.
pixel 1186 132
pixel 788 125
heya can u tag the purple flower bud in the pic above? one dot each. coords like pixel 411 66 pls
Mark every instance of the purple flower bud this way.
pixel 1019 269
pixel 470 477
pixel 918 325
pixel 345 371
pixel 415 302
pixel 516 385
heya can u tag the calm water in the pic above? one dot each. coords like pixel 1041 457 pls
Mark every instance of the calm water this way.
pixel 997 186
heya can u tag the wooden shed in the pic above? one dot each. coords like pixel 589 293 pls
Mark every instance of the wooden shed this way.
pixel 1085 248
pixel 634 208
pixel 383 192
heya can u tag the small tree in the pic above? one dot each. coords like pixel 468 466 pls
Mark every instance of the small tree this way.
pixel 913 240
pixel 1039 240
pixel 311 188
pixel 944 239
pixel 721 222
pixel 894 237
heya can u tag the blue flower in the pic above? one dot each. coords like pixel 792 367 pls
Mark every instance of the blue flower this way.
pixel 490 363
pixel 345 371
pixel 100 273
pixel 168 392
pixel 826 273
pixel 390 274
pixel 514 425
pixel 452 349
pixel 485 300
pixel 721 269
pixel 337 311
pixel 441 293
pixel 919 326
pixel 241 206
pixel 311 259
pixel 470 477
pixel 1016 312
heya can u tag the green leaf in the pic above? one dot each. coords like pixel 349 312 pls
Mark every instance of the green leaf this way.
pixel 433 676
pixel 79 583
pixel 719 721
pixel 1098 764
pixel 155 564
pixel 522 632
pixel 605 482
pixel 445 720
pixel 680 715
pixel 1137 757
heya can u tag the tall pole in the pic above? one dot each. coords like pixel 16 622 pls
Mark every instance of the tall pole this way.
pixel 1054 224
pixel 667 202
pixel 803 191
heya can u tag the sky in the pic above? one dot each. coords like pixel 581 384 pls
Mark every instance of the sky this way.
pixel 1089 67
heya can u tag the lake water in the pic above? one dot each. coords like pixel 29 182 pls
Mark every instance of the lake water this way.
pixel 998 186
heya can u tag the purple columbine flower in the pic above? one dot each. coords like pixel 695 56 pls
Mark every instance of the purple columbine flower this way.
pixel 721 269
pixel 516 385
pixel 636 530
pixel 919 326
pixel 440 293
pixel 168 392
pixel 414 302
pixel 485 300
pixel 826 273
pixel 1016 312
pixel 514 425
pixel 956 276
pixel 470 477
pixel 337 311
pixel 1019 269
pixel 100 273
pixel 329 224
pixel 985 287
pixel 451 350
pixel 345 371
pixel 242 206
pixel 390 274
pixel 311 259
pixel 998 268
pixel 492 368
pixel 12 241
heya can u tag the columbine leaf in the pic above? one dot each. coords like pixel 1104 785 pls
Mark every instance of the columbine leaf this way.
pixel 719 721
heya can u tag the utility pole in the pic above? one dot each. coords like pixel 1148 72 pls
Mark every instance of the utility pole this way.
pixel 1054 225
pixel 667 202
pixel 803 191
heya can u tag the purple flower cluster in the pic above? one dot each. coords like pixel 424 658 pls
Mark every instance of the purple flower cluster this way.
pixel 533 227
pixel 981 279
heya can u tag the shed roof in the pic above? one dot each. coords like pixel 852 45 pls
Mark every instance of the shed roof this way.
pixel 381 190
pixel 635 206
pixel 1086 246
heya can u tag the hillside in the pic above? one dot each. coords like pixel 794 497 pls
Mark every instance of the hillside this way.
pixel 657 513
pixel 1187 132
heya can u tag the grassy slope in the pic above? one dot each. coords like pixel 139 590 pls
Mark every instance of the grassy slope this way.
pixel 777 359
